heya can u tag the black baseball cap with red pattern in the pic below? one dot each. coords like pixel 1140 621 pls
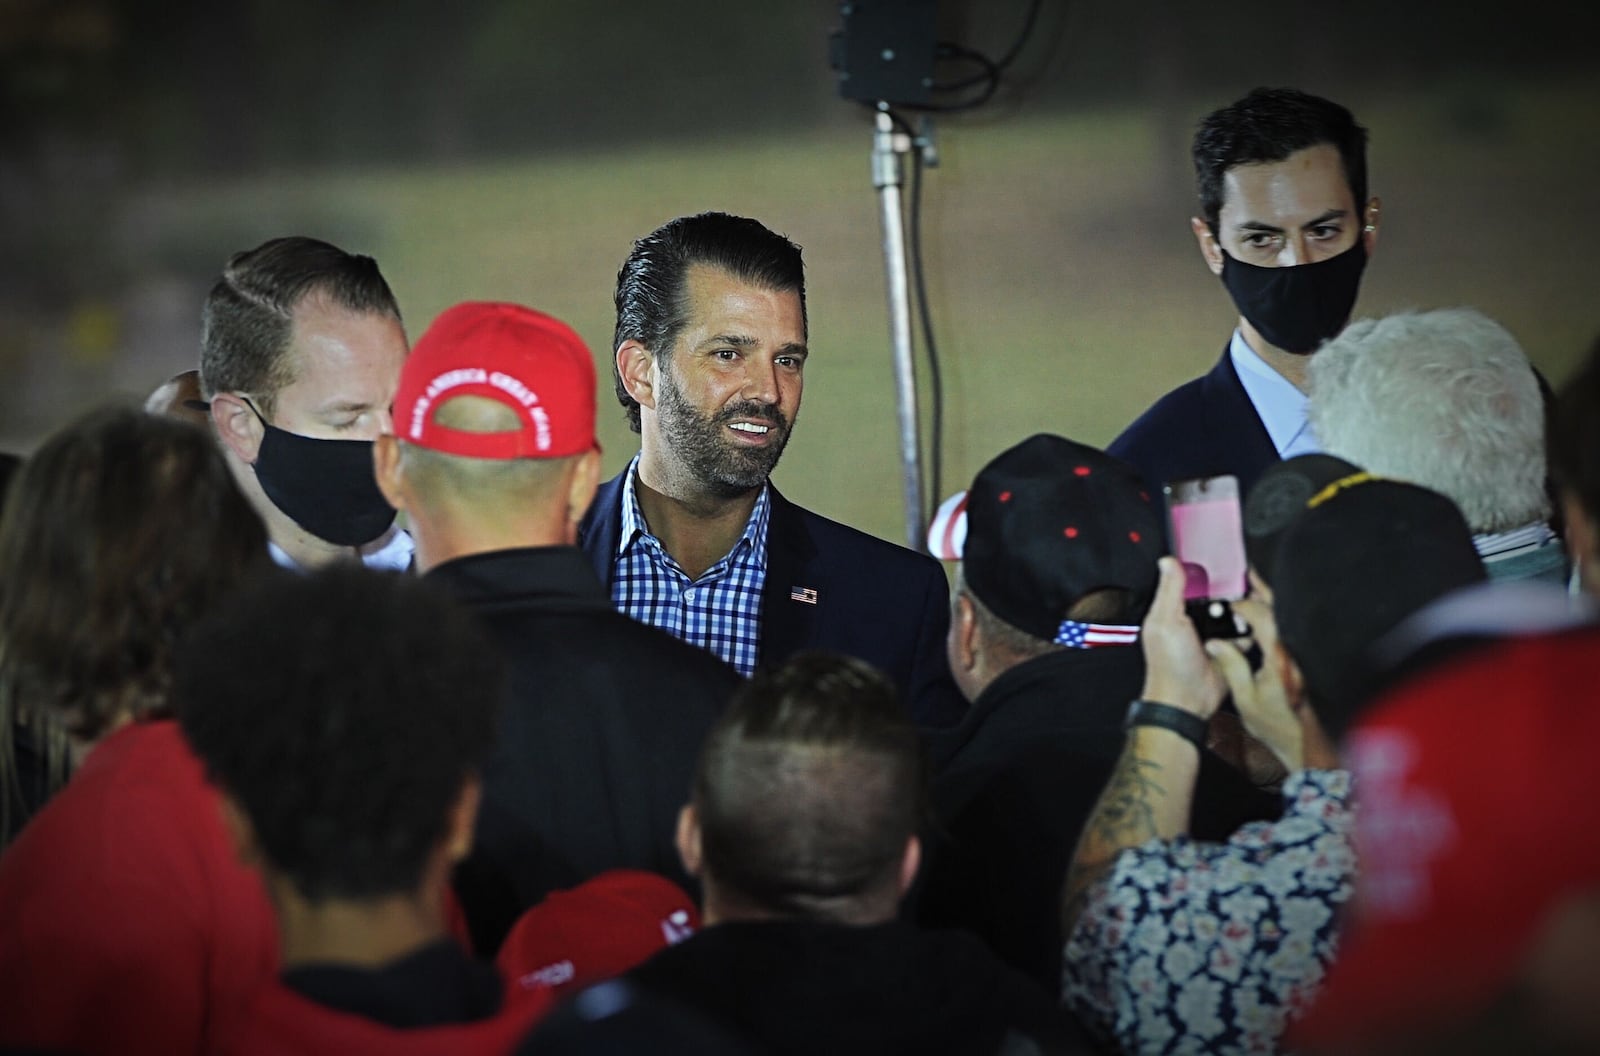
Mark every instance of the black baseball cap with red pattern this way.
pixel 1047 522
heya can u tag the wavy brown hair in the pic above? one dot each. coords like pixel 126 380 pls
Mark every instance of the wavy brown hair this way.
pixel 120 532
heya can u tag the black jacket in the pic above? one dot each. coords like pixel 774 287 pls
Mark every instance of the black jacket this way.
pixel 598 740
pixel 1016 782
pixel 868 598
pixel 805 988
pixel 1200 429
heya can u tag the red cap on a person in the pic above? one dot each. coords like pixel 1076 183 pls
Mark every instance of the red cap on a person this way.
pixel 530 362
pixel 596 931
pixel 1477 819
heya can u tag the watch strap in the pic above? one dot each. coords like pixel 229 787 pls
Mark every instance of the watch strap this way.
pixel 1185 724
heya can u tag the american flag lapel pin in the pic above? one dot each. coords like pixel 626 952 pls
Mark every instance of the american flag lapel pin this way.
pixel 805 594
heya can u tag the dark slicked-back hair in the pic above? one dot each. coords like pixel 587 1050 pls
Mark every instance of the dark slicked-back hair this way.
pixel 809 787
pixel 246 321
pixel 343 711
pixel 1574 434
pixel 1268 125
pixel 651 297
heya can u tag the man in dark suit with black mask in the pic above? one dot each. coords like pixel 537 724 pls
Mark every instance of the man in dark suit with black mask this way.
pixel 1287 225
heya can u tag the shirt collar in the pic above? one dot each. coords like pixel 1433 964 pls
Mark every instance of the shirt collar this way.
pixel 754 537
pixel 1503 544
pixel 1281 406
pixel 393 556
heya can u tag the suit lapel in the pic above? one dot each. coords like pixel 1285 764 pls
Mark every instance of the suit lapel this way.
pixel 789 613
pixel 1231 418
pixel 598 532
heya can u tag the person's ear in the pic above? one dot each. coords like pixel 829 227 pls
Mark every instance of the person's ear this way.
pixel 634 363
pixel 1210 248
pixel 1583 540
pixel 585 480
pixel 688 841
pixel 1369 223
pixel 910 862
pixel 386 459
pixel 964 633
pixel 463 819
pixel 238 425
pixel 241 834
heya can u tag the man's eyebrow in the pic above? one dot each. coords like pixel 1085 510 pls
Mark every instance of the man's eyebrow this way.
pixel 736 340
pixel 1320 218
pixel 1331 214
pixel 344 407
pixel 793 348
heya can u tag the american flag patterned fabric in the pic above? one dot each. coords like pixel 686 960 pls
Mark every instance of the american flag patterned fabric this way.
pixel 1075 635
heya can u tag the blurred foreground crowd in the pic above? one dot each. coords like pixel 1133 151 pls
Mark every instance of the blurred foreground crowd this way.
pixel 344 708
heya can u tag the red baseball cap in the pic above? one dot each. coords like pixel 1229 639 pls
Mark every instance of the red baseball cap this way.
pixel 596 931
pixel 1477 816
pixel 528 361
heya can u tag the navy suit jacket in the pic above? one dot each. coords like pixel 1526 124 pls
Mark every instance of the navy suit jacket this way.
pixel 874 600
pixel 1200 429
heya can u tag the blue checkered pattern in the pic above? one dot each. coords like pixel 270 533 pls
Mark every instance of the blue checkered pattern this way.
pixel 720 611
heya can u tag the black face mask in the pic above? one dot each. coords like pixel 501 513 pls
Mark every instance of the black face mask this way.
pixel 1297 308
pixel 326 487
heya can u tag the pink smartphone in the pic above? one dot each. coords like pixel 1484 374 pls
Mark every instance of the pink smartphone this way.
pixel 1208 537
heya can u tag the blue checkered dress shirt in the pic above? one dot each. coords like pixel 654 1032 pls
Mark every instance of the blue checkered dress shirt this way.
pixel 720 611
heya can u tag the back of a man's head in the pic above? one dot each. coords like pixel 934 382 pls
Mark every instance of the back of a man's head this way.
pixel 1268 125
pixel 807 793
pixel 343 712
pixel 1363 556
pixel 247 319
pixel 1445 399
pixel 1058 544
pixel 495 402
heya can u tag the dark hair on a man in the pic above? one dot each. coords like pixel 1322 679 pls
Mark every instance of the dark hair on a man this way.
pixel 809 786
pixel 121 532
pixel 246 324
pixel 344 712
pixel 652 296
pixel 1573 439
pixel 1268 125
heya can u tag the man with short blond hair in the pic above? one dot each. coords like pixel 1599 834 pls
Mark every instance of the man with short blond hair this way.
pixel 494 461
pixel 300 351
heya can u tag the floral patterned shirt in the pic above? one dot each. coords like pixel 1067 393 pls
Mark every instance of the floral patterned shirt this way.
pixel 1190 947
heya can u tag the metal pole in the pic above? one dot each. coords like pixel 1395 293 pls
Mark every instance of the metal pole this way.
pixel 889 148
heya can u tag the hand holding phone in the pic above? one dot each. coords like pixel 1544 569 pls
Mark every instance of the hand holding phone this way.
pixel 1208 539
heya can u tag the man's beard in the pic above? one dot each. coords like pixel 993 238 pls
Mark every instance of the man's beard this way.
pixel 717 462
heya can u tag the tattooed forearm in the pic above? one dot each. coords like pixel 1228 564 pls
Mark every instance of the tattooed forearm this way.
pixel 1125 815
pixel 1145 798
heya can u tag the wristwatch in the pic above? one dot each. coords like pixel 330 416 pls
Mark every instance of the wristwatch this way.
pixel 1185 724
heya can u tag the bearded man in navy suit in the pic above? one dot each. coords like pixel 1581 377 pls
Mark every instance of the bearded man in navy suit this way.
pixel 710 354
